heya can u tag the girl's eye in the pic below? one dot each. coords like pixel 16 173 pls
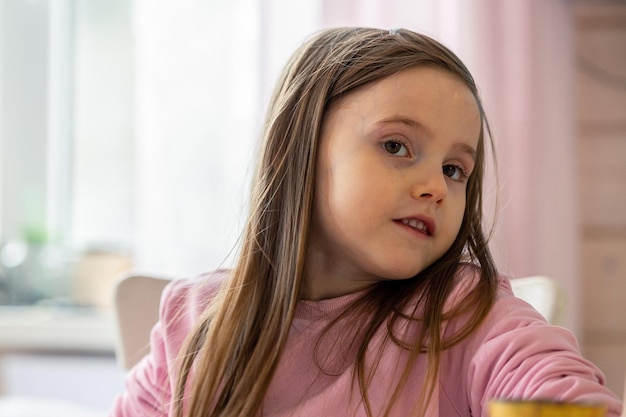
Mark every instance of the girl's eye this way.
pixel 455 172
pixel 396 148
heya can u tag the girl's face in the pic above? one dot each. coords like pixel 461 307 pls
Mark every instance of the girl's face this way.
pixel 392 170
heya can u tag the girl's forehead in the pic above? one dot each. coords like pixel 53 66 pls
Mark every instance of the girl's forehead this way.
pixel 409 84
pixel 419 90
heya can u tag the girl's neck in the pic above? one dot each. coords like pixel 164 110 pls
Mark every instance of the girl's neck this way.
pixel 322 281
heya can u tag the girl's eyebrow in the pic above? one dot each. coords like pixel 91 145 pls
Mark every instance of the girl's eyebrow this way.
pixel 465 148
pixel 414 124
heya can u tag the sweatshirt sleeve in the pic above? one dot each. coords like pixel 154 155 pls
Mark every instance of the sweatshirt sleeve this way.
pixel 517 355
pixel 150 383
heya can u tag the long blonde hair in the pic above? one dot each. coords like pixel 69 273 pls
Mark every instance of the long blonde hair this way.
pixel 229 360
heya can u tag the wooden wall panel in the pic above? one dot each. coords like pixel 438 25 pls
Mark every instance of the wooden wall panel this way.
pixel 602 180
pixel 604 288
pixel 601 121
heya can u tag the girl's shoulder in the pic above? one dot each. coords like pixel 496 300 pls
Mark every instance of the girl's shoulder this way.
pixel 187 298
pixel 508 312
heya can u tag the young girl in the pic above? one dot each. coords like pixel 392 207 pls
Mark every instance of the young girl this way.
pixel 364 285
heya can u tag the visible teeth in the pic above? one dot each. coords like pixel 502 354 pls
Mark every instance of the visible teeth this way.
pixel 414 223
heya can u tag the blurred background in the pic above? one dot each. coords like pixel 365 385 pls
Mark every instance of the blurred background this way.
pixel 128 130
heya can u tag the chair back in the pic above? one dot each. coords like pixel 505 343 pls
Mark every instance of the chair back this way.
pixel 136 305
pixel 544 294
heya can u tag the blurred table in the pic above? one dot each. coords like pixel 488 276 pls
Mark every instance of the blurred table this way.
pixel 56 329
pixel 60 352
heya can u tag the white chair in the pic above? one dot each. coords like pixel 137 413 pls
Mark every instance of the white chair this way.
pixel 544 294
pixel 137 298
pixel 136 305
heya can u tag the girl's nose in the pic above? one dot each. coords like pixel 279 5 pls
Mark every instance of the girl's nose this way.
pixel 430 184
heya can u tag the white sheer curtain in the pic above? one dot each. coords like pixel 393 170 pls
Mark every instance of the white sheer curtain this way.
pixel 204 71
pixel 197 95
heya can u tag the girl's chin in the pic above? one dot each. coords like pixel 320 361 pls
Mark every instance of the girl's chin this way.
pixel 405 272
pixel 399 275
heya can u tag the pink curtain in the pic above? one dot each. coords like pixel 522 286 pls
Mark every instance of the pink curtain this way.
pixel 524 64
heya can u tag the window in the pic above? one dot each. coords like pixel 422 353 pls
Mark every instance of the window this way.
pixel 128 130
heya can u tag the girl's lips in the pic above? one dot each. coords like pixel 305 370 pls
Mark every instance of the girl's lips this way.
pixel 421 224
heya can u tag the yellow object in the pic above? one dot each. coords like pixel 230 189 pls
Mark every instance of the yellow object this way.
pixel 508 408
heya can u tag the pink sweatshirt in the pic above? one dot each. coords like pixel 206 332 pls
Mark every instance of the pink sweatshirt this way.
pixel 514 354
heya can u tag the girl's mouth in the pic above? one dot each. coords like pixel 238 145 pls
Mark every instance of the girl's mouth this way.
pixel 416 224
